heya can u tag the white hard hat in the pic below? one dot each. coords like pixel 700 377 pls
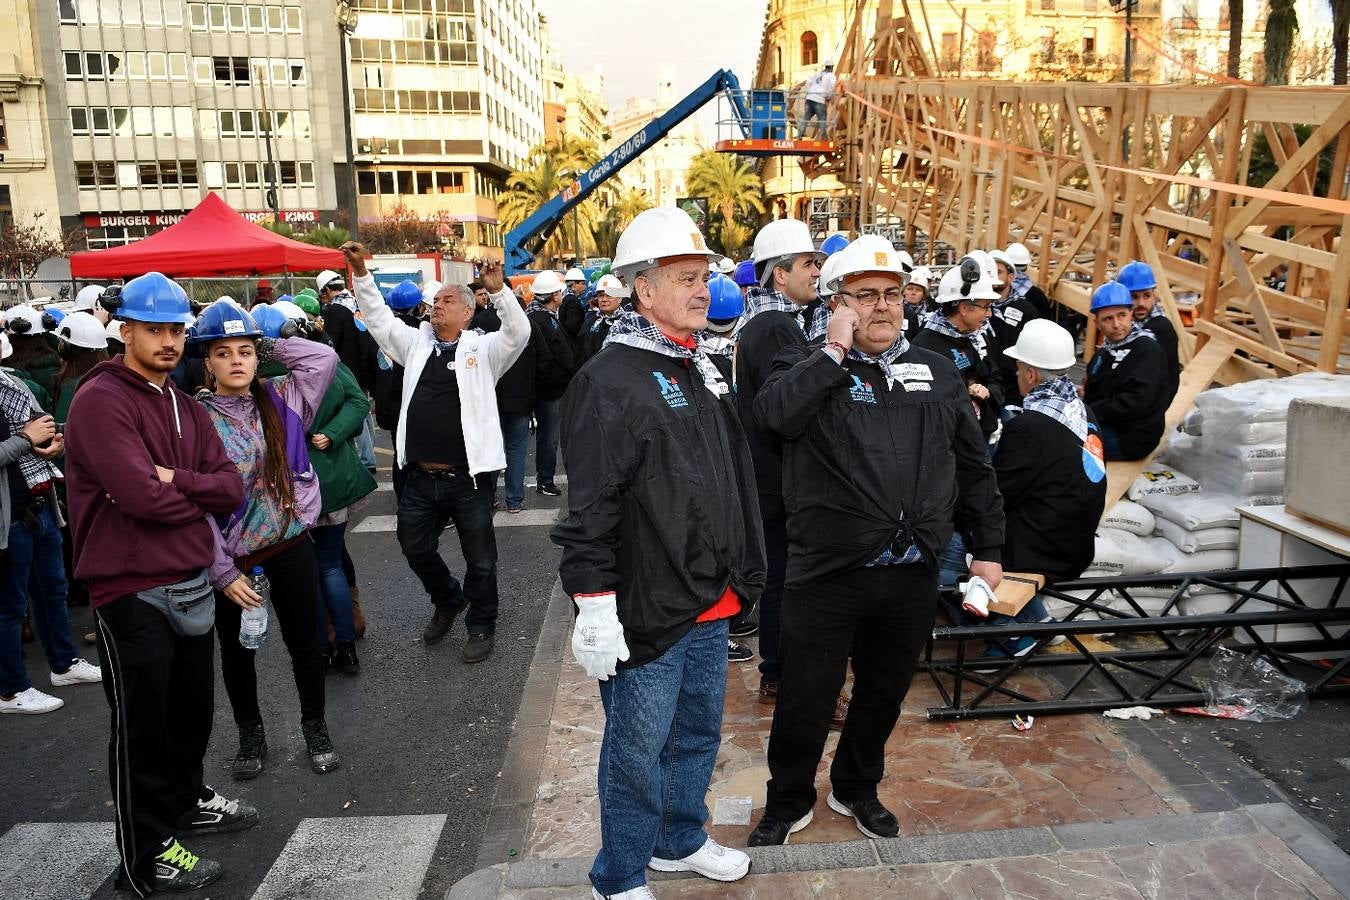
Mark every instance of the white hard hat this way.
pixel 327 277
pixel 905 259
pixel 81 329
pixel 966 281
pixel 779 239
pixel 922 275
pixel 986 264
pixel 726 265
pixel 829 64
pixel 1044 345
pixel 827 270
pixel 869 253
pixel 574 274
pixel 430 290
pixel 664 232
pixel 611 287
pixel 1000 256
pixel 545 283
pixel 24 319
pixel 290 310
pixel 1019 254
pixel 114 330
pixel 88 296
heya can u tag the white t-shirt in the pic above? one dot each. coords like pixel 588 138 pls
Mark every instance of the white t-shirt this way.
pixel 820 87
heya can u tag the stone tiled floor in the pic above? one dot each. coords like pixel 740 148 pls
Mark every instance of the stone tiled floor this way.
pixel 941 778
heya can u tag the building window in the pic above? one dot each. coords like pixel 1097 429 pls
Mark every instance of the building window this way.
pixel 98 121
pixel 810 49
pixel 93 66
pixel 1089 46
pixel 1047 47
pixel 988 50
pixel 950 49
pixel 197 16
pixel 96 174
pixel 365 183
pixel 178 66
pixel 73 67
pixel 68 16
pixel 1047 5
pixel 79 120
pixel 214 173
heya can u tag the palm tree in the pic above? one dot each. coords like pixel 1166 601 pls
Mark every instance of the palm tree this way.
pixel 1234 38
pixel 1340 40
pixel 627 204
pixel 549 169
pixel 730 184
pixel 1281 26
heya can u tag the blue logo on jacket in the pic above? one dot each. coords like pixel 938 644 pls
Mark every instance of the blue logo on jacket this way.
pixel 962 361
pixel 862 392
pixel 670 391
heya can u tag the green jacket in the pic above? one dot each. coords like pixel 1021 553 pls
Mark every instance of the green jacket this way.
pixel 39 388
pixel 342 478
pixel 63 398
pixel 44 370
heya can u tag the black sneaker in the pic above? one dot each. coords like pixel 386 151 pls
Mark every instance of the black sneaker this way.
pixel 322 757
pixel 771 832
pixel 551 490
pixel 178 871
pixel 739 652
pixel 478 648
pixel 744 629
pixel 871 818
pixel 344 659
pixel 213 814
pixel 248 762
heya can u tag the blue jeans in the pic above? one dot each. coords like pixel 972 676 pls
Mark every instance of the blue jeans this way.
pixel 33 570
pixel 365 443
pixel 335 594
pixel 815 109
pixel 663 725
pixel 427 505
pixel 516 436
pixel 548 413
pixel 952 562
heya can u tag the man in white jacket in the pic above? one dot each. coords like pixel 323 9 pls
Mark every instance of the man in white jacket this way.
pixel 449 439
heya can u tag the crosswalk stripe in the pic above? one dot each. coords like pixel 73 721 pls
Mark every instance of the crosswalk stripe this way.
pixel 56 860
pixel 376 524
pixel 370 857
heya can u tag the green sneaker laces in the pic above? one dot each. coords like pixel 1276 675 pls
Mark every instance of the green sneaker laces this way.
pixel 178 855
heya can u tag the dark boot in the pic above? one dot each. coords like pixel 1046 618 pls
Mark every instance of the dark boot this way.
pixel 248 762
pixel 344 660
pixel 322 757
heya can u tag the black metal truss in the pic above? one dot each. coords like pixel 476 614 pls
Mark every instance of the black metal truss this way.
pixel 976 686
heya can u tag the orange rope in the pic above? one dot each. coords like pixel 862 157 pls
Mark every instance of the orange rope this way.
pixel 1217 76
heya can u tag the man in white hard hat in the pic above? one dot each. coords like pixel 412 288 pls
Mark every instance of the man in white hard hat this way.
pixel 917 294
pixel 1022 287
pixel 1011 314
pixel 881 452
pixel 649 429
pixel 609 296
pixel 818 92
pixel 575 304
pixel 87 301
pixel 555 364
pixel 1051 472
pixel 787 265
pixel 354 346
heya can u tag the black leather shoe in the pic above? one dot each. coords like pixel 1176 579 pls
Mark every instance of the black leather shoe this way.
pixel 771 832
pixel 440 623
pixel 345 661
pixel 872 819
pixel 478 648
pixel 551 490
pixel 322 757
pixel 248 762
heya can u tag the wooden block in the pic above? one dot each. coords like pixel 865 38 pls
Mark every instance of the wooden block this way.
pixel 1015 591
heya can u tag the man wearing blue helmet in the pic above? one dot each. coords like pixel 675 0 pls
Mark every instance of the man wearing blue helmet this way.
pixel 1127 385
pixel 1147 309
pixel 144 470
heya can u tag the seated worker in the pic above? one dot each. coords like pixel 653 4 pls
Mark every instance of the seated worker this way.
pixel 1139 281
pixel 1011 314
pixel 1127 388
pixel 965 299
pixel 1051 473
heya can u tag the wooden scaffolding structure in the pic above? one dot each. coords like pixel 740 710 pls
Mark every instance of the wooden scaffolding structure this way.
pixel 1215 187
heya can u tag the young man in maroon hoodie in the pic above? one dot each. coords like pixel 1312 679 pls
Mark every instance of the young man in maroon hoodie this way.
pixel 145 468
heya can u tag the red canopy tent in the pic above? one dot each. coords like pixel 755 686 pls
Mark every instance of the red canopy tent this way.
pixel 213 239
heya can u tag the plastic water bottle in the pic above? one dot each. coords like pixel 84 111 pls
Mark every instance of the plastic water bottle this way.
pixel 253 623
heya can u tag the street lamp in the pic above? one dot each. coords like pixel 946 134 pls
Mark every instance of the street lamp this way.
pixel 346 22
pixel 1129 6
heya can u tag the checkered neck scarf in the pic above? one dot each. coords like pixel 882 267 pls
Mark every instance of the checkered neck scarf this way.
pixel 936 321
pixel 633 330
pixel 1059 400
pixel 883 360
pixel 1021 285
pixel 1137 330
pixel 820 321
pixel 765 300
pixel 1156 311
pixel 18 407
pixel 716 344
pixel 536 306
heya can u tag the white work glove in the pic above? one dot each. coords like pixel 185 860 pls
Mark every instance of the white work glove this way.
pixel 597 639
pixel 976 597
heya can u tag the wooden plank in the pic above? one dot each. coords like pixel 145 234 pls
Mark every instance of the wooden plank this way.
pixel 1185 341
pixel 1284 361
pixel 1195 377
pixel 1254 302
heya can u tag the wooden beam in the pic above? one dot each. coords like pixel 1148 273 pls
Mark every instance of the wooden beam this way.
pixel 1257 306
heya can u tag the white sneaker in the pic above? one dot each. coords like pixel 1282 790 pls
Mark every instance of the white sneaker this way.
pixel 80 672
pixel 31 702
pixel 637 893
pixel 712 860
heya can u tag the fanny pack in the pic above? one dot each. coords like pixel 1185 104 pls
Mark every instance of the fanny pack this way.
pixel 189 605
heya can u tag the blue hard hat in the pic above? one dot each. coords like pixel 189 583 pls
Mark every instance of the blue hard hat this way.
pixel 152 298
pixel 1113 293
pixel 223 319
pixel 405 295
pixel 51 317
pixel 745 274
pixel 727 302
pixel 269 319
pixel 287 298
pixel 833 244
pixel 1137 276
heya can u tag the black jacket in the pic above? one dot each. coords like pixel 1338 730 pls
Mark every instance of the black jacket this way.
pixel 572 314
pixel 1128 391
pixel 974 368
pixel 1040 301
pixel 555 362
pixel 516 387
pixel 486 320
pixel 351 343
pixel 760 341
pixel 593 333
pixel 1008 324
pixel 387 384
pixel 1054 493
pixel 1162 329
pixel 660 496
pixel 863 463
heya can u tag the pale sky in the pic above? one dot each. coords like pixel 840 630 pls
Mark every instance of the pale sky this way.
pixel 634 40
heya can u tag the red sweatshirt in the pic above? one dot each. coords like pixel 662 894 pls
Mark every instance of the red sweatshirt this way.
pixel 150 533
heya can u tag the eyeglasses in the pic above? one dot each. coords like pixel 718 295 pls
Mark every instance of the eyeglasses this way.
pixel 982 307
pixel 869 299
